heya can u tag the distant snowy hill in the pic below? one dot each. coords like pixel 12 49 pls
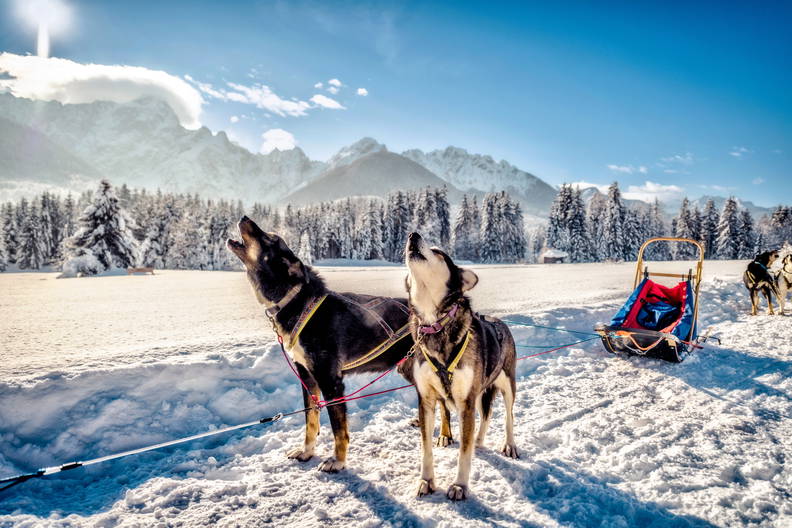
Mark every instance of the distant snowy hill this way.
pixel 374 174
pixel 589 193
pixel 25 151
pixel 477 172
pixel 141 143
pixel 755 210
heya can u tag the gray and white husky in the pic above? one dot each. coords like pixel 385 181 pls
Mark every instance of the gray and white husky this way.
pixel 784 282
pixel 462 360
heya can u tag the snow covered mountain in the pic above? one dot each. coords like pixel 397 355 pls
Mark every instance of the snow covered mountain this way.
pixel 141 143
pixel 355 151
pixel 373 174
pixel 476 172
pixel 755 210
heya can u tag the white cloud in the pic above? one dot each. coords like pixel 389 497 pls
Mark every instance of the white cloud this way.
pixel 263 97
pixel 758 181
pixel 318 85
pixel 277 138
pixel 326 102
pixel 234 119
pixel 683 159
pixel 51 79
pixel 334 82
pixel 628 169
pixel 651 190
pixel 332 89
pixel 739 152
pixel 362 91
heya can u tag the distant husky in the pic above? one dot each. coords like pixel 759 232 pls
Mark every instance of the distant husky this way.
pixel 757 278
pixel 463 359
pixel 784 282
pixel 344 328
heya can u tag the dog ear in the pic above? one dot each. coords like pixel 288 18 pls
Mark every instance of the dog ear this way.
pixel 469 279
pixel 297 269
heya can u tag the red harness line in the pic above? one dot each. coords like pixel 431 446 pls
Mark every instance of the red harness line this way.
pixel 352 396
pixel 556 349
pixel 347 397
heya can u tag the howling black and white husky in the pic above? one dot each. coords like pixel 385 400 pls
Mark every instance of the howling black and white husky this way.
pixel 329 334
pixel 463 359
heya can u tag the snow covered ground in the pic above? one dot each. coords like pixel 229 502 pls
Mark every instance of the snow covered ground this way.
pixel 93 366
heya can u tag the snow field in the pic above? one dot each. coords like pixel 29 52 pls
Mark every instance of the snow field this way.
pixel 604 440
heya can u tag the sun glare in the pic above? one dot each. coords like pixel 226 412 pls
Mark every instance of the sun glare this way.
pixel 48 17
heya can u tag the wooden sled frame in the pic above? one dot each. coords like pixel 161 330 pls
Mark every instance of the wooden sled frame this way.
pixel 650 343
pixel 641 271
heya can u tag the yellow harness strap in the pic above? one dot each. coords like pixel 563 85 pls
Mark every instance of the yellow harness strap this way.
pixel 453 364
pixel 380 349
pixel 304 321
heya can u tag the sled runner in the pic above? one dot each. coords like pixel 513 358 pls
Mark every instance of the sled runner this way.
pixel 657 321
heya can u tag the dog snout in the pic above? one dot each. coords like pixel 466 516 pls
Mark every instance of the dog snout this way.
pixel 247 227
pixel 414 242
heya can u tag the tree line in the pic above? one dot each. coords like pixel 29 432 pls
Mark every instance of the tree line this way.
pixel 607 229
pixel 109 229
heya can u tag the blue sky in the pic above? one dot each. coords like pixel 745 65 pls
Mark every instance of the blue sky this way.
pixel 698 97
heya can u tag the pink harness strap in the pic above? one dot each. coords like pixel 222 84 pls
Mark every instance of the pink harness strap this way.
pixel 438 325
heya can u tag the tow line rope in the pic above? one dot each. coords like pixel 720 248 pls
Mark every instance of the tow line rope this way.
pixel 10 482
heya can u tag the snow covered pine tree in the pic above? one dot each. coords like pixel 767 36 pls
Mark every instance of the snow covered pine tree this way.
pixel 104 237
pixel 728 231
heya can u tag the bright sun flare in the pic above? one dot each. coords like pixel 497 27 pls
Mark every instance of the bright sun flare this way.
pixel 48 17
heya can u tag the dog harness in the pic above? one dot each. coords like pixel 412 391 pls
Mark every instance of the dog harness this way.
pixel 305 316
pixel 446 372
pixel 312 307
pixel 438 325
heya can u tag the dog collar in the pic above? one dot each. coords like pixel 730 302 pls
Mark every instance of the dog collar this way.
pixel 438 325
pixel 286 299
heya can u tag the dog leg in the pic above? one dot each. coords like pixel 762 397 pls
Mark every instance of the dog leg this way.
pixel 333 387
pixel 782 293
pixel 508 389
pixel 754 301
pixel 769 296
pixel 426 412
pixel 445 438
pixel 311 419
pixel 467 415
pixel 486 413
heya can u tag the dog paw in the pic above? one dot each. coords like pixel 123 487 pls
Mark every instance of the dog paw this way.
pixel 457 492
pixel 414 422
pixel 426 487
pixel 331 465
pixel 444 441
pixel 510 450
pixel 300 454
